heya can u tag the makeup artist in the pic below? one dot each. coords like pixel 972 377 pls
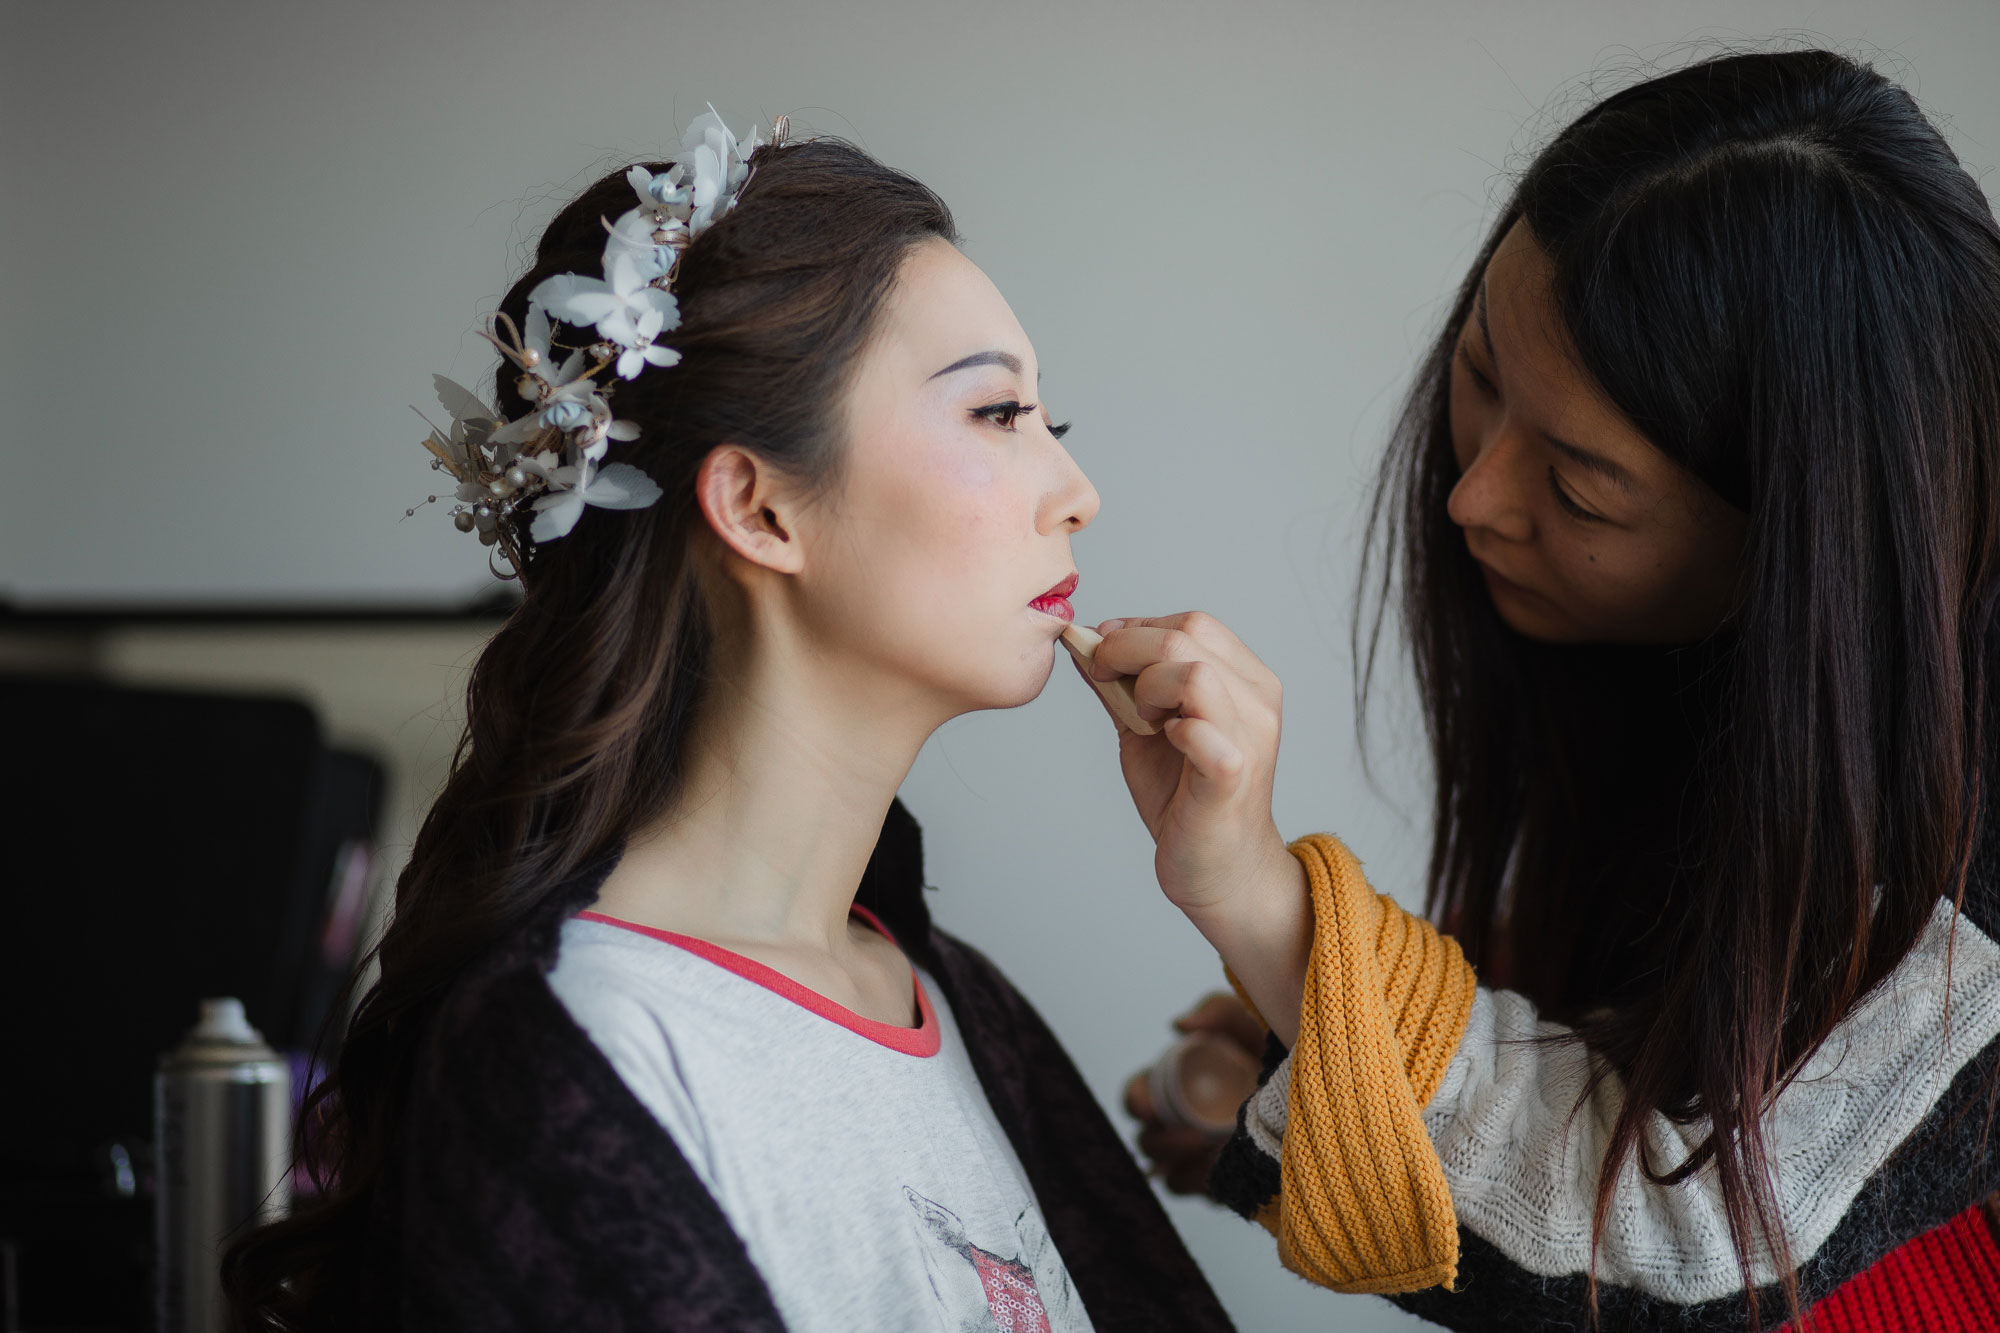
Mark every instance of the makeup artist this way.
pixel 1691 521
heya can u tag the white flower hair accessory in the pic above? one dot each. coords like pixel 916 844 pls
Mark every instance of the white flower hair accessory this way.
pixel 552 459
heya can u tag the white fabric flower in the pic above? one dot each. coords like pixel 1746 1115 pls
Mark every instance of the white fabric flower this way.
pixel 574 404
pixel 553 379
pixel 640 349
pixel 632 235
pixel 614 486
pixel 615 303
pixel 718 167
pixel 659 193
pixel 596 440
pixel 543 464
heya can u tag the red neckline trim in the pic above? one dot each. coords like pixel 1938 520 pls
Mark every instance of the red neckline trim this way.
pixel 922 1040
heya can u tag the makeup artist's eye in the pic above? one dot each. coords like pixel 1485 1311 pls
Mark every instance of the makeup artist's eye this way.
pixel 1479 379
pixel 1570 506
pixel 1004 415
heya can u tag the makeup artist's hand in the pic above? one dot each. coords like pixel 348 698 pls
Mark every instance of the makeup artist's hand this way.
pixel 1182 1157
pixel 1203 788
pixel 1203 784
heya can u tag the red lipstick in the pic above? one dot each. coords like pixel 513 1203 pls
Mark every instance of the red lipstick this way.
pixel 1055 602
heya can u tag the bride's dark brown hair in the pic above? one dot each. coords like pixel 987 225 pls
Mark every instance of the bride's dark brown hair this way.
pixel 578 707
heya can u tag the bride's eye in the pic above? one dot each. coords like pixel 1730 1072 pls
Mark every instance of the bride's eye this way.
pixel 1004 414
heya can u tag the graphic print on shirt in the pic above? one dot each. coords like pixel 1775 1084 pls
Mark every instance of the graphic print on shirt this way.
pixel 981 1290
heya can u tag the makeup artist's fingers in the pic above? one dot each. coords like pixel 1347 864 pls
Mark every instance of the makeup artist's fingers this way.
pixel 1219 764
pixel 1172 1146
pixel 1136 645
pixel 1204 629
pixel 1164 1143
pixel 1222 1013
pixel 1181 1158
pixel 1139 1097
pixel 1192 689
pixel 1190 1174
pixel 1187 636
pixel 1154 1132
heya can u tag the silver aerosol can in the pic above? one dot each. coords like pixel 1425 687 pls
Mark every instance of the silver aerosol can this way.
pixel 222 1111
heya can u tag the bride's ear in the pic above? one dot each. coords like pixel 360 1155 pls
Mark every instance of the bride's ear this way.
pixel 750 505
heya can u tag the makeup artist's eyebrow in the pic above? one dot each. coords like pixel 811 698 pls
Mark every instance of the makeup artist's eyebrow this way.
pixel 1005 359
pixel 1590 462
pixel 1583 458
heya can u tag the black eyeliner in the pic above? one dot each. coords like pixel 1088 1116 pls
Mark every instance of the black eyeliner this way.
pixel 1010 409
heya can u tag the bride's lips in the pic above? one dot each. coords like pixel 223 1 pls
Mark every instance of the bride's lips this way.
pixel 1055 602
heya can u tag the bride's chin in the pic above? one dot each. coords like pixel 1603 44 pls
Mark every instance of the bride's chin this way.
pixel 1038 676
pixel 1024 687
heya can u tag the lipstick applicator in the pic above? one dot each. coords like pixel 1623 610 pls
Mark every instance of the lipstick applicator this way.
pixel 1082 644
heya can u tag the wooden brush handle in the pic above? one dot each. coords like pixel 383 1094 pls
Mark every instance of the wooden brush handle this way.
pixel 1082 644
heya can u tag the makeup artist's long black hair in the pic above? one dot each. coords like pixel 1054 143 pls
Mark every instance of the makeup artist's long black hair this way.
pixel 579 705
pixel 1704 857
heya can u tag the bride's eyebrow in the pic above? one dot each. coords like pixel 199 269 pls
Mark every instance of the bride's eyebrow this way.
pixel 1006 359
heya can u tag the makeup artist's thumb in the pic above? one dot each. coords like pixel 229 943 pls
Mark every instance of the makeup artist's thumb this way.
pixel 1222 1013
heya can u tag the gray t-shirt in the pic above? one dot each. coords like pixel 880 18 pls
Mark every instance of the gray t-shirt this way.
pixel 859 1161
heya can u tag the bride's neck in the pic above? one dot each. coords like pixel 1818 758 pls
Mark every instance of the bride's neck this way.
pixel 792 765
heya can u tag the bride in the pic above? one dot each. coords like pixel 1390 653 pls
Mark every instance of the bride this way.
pixel 663 1036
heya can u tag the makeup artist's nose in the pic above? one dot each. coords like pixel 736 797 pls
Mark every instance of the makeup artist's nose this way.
pixel 1491 492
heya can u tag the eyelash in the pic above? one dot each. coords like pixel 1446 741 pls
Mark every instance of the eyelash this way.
pixel 1005 414
pixel 1479 380
pixel 1570 506
pixel 1485 386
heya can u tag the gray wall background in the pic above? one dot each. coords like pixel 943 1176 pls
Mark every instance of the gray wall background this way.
pixel 239 238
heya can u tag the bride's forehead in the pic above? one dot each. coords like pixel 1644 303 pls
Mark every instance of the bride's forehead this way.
pixel 941 298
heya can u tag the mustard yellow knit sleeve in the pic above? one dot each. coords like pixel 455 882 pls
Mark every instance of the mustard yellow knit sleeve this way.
pixel 1363 1205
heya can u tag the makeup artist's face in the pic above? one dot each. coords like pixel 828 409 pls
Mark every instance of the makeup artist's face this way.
pixel 942 552
pixel 1585 532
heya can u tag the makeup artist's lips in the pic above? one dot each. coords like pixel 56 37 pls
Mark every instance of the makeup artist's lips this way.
pixel 1055 602
pixel 1499 583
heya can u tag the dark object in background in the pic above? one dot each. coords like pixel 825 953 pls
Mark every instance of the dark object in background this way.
pixel 160 847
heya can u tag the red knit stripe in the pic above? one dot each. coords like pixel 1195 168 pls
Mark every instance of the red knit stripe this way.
pixel 1944 1281
pixel 1969 1246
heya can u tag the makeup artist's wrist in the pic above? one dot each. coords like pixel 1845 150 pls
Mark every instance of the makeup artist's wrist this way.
pixel 1264 933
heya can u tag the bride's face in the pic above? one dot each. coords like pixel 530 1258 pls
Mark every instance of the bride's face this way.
pixel 941 552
